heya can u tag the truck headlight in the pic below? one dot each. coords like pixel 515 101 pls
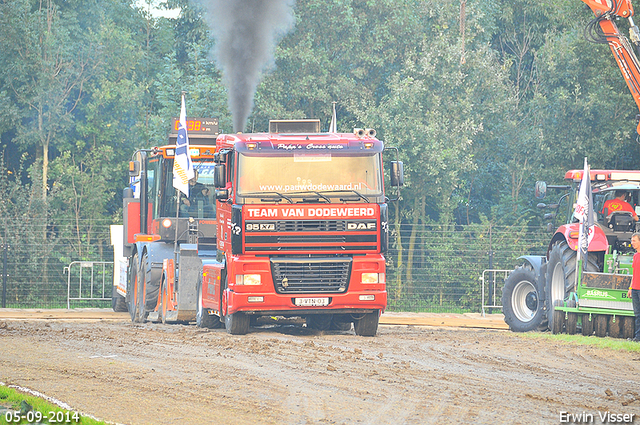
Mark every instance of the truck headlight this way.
pixel 373 278
pixel 248 279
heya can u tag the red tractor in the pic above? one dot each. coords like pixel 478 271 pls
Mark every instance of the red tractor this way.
pixel 542 285
pixel 545 290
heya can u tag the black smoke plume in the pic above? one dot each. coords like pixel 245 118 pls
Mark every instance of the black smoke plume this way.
pixel 246 33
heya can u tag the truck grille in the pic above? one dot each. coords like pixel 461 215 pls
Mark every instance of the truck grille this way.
pixel 311 226
pixel 311 275
pixel 312 236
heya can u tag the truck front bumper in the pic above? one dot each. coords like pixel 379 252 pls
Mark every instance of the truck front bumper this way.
pixel 305 304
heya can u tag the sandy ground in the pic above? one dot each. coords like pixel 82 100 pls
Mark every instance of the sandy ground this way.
pixel 287 374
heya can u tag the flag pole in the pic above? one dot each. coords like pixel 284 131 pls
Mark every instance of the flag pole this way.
pixel 333 126
pixel 584 213
pixel 182 171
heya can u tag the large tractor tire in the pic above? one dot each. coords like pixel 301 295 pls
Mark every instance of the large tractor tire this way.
pixel 561 275
pixel 521 303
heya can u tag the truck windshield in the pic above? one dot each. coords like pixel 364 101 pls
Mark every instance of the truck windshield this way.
pixel 200 203
pixel 315 177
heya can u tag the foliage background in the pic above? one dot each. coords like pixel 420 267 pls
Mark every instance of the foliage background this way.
pixel 483 98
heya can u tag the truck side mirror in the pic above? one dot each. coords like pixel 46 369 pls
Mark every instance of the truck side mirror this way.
pixel 127 193
pixel 222 194
pixel 541 189
pixel 397 173
pixel 220 176
pixel 134 168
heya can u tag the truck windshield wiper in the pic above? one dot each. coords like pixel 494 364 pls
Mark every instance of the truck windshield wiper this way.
pixel 267 196
pixel 360 195
pixel 320 195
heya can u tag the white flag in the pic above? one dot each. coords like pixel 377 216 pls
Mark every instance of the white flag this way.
pixel 182 167
pixel 584 212
pixel 333 127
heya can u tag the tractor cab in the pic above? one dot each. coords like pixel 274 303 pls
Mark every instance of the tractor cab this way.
pixel 616 199
pixel 617 221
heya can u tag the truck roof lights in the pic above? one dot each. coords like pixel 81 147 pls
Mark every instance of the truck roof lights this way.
pixel 604 175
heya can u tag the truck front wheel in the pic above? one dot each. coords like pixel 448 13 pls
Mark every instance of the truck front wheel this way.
pixel 367 324
pixel 203 318
pixel 521 303
pixel 236 323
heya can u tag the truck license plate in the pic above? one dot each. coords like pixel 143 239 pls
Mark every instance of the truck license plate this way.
pixel 311 302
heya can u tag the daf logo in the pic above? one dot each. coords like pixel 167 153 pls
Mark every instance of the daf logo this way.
pixel 361 226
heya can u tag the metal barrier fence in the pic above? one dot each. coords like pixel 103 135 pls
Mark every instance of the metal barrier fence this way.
pixel 493 290
pixel 429 268
pixel 97 286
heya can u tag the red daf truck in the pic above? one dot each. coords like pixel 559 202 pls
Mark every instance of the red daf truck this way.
pixel 300 229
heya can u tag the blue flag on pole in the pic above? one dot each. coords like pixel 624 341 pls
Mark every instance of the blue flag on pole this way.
pixel 182 167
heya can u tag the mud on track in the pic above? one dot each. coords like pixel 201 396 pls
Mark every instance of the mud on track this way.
pixel 180 374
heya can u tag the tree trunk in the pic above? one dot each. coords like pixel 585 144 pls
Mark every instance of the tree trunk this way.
pixel 45 167
pixel 417 215
pixel 399 251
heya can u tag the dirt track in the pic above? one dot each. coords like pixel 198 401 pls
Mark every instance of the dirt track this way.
pixel 180 374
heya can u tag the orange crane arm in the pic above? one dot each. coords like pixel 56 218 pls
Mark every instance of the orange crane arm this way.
pixel 606 11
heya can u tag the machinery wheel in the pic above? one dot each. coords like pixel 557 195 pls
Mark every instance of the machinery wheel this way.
pixel 162 308
pixel 520 300
pixel 614 326
pixel 561 275
pixel 319 322
pixel 587 324
pixel 203 318
pixel 367 324
pixel 600 325
pixel 150 291
pixel 133 288
pixel 572 323
pixel 628 326
pixel 143 277
pixel 340 323
pixel 118 302
pixel 236 323
pixel 558 319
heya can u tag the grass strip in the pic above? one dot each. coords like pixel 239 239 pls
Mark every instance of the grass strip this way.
pixel 593 341
pixel 17 407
